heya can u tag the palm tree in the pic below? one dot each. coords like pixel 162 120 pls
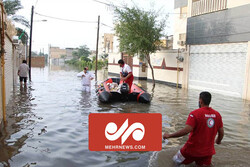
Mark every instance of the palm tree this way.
pixel 11 7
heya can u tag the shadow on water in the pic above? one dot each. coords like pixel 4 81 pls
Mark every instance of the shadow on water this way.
pixel 47 124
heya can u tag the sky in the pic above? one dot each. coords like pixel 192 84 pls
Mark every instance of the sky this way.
pixel 82 31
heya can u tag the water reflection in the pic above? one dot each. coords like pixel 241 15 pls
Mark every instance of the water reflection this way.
pixel 85 101
pixel 19 117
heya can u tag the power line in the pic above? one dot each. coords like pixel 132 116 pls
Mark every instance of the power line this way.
pixel 106 25
pixel 108 4
pixel 63 19
pixel 102 2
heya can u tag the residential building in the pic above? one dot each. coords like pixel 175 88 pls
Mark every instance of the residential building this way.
pixel 58 55
pixel 69 53
pixel 217 39
pixel 180 23
pixel 107 43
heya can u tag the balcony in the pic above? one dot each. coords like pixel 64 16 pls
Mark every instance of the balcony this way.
pixel 200 7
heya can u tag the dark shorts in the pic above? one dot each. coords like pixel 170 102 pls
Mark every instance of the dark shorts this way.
pixel 23 79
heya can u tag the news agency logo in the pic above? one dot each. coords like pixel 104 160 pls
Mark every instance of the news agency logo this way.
pixel 136 129
pixel 125 132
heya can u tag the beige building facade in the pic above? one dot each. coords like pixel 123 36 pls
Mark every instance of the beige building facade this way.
pixel 58 55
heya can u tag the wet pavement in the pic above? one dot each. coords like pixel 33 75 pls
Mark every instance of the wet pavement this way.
pixel 48 124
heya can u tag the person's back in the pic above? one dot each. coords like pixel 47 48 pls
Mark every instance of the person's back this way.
pixel 206 122
pixel 23 70
pixel 203 124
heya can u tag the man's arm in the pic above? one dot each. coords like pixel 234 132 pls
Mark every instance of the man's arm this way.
pixel 129 75
pixel 187 129
pixel 220 135
pixel 80 74
pixel 91 76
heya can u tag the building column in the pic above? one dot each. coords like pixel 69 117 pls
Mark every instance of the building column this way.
pixel 246 90
pixel 186 68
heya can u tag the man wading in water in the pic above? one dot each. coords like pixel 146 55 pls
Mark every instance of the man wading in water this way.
pixel 23 71
pixel 86 79
pixel 203 125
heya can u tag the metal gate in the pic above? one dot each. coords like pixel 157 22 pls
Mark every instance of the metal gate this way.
pixel 9 67
pixel 218 68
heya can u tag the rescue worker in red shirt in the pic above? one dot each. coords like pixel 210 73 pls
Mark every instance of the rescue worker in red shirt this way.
pixel 126 74
pixel 203 124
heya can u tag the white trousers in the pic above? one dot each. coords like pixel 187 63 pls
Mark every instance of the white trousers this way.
pixel 86 88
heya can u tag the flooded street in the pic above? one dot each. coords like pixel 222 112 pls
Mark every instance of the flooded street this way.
pixel 47 124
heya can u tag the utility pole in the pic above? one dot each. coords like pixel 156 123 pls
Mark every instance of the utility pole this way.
pixel 96 58
pixel 31 25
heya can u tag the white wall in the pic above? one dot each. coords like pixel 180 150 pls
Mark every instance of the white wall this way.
pixel 236 3
pixel 113 66
pixel 165 75
pixel 116 48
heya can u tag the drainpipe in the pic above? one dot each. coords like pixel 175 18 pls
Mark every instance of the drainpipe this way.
pixel 2 62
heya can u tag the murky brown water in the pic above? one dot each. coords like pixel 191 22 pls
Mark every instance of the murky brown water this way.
pixel 48 124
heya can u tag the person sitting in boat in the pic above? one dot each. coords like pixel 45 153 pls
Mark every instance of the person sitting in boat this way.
pixel 126 74
pixel 86 79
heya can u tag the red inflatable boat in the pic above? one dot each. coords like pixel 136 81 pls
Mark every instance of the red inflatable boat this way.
pixel 114 90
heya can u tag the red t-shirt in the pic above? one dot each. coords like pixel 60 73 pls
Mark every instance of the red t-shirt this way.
pixel 206 123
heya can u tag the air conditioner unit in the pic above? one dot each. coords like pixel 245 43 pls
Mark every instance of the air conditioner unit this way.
pixel 15 40
pixel 182 43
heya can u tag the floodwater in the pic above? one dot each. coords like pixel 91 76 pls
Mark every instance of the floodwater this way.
pixel 48 124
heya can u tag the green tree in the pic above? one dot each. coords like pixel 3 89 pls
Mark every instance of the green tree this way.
pixel 139 32
pixel 11 7
pixel 83 51
pixel 86 59
pixel 63 56
pixel 104 56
